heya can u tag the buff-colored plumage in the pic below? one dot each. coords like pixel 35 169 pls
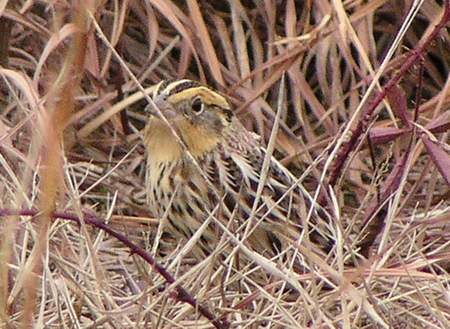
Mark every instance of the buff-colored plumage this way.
pixel 230 158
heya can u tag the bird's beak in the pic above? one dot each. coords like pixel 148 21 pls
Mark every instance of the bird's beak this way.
pixel 165 108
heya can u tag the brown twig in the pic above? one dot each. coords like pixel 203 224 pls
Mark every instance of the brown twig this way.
pixel 181 295
pixel 414 56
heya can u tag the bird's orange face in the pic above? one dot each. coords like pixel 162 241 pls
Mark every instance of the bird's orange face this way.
pixel 201 117
pixel 189 104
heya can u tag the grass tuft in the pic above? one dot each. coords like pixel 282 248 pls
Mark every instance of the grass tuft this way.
pixel 353 97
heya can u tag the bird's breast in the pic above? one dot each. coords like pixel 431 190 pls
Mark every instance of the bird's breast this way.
pixel 178 193
pixel 176 186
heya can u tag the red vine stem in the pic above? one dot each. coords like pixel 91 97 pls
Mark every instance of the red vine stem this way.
pixel 182 294
pixel 362 125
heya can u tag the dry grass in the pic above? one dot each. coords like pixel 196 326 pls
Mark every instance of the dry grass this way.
pixel 367 99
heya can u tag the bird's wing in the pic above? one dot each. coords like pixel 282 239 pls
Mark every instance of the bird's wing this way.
pixel 281 206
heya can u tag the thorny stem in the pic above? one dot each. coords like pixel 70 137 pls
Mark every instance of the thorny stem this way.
pixel 181 295
pixel 415 55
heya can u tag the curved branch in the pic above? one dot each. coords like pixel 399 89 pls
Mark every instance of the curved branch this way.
pixel 414 56
pixel 182 294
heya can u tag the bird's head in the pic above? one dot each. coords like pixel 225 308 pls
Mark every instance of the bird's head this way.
pixel 199 115
pixel 188 104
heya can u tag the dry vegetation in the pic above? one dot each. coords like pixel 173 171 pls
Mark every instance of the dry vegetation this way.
pixel 367 117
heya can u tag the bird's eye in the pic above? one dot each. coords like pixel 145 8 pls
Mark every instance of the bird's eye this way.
pixel 197 106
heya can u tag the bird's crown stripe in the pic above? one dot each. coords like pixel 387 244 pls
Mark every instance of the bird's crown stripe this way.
pixel 170 87
pixel 208 96
pixel 179 90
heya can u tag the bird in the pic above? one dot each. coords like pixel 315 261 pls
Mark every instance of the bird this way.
pixel 202 164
